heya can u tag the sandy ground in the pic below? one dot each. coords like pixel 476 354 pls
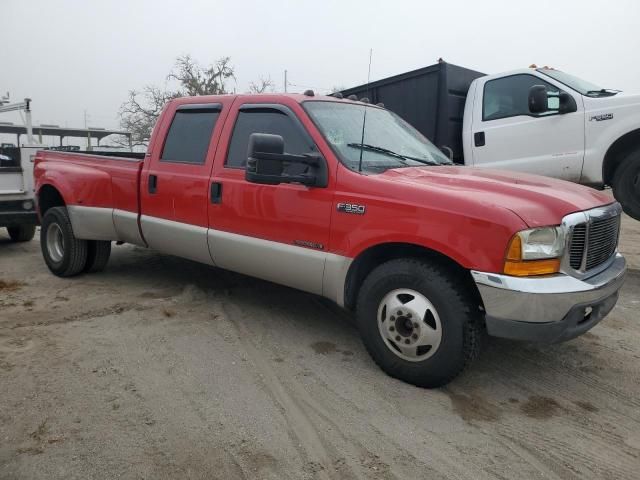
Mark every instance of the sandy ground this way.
pixel 163 368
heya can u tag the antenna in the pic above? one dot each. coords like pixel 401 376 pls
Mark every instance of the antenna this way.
pixel 364 118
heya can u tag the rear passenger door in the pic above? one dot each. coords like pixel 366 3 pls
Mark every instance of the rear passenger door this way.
pixel 175 183
pixel 275 232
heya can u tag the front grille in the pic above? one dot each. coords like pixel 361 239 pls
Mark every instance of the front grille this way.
pixel 603 240
pixel 576 249
pixel 596 239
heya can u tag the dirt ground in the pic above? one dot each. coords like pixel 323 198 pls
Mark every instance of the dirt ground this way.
pixel 163 368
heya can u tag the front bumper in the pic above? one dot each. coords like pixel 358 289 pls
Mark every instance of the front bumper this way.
pixel 551 308
pixel 12 213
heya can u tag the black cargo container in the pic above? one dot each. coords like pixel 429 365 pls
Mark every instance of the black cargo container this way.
pixel 430 98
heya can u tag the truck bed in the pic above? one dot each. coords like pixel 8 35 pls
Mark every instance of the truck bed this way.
pixel 94 179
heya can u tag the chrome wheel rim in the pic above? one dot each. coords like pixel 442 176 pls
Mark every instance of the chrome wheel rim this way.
pixel 409 325
pixel 55 242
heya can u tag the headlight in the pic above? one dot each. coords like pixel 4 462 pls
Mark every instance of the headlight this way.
pixel 535 252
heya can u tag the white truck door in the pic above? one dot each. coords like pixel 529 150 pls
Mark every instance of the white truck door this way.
pixel 506 135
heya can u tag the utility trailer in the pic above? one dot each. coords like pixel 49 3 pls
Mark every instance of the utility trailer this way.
pixel 431 99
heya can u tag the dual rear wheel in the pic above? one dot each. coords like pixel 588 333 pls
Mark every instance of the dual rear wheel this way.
pixel 66 255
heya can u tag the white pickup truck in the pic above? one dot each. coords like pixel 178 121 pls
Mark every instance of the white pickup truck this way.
pixel 17 205
pixel 537 120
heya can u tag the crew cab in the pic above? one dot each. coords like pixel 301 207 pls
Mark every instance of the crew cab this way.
pixel 536 120
pixel 346 200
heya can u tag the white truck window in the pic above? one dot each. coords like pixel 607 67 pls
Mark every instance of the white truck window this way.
pixel 509 96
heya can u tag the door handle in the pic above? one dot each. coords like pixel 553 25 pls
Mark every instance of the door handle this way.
pixel 153 183
pixel 216 192
pixel 478 139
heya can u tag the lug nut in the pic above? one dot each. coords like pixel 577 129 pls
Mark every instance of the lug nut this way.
pixel 409 315
pixel 407 341
pixel 392 329
pixel 415 325
pixel 393 319
pixel 414 336
pixel 397 338
pixel 399 312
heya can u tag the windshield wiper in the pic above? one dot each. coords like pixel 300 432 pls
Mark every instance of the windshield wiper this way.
pixel 391 153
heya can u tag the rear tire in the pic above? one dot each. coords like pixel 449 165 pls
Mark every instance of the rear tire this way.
pixel 64 254
pixel 626 184
pixel 22 233
pixel 98 253
pixel 418 322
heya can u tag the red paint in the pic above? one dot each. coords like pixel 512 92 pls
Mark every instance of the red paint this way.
pixel 465 213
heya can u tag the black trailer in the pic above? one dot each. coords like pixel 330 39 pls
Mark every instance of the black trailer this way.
pixel 430 98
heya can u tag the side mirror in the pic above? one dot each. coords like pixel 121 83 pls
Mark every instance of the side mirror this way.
pixel 268 164
pixel 538 99
pixel 542 101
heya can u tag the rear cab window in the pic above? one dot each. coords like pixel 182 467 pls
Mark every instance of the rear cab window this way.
pixel 190 133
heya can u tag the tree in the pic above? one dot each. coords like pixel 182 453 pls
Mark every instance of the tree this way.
pixel 263 85
pixel 139 113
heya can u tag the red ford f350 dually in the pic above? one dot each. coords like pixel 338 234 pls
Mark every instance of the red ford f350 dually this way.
pixel 344 199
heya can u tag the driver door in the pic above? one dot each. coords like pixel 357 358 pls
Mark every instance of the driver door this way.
pixel 274 232
pixel 506 135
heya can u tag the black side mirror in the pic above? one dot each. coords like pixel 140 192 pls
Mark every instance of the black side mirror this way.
pixel 567 103
pixel 268 164
pixel 542 101
pixel 538 99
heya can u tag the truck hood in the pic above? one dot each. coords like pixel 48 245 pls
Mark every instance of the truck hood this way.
pixel 537 200
pixel 619 100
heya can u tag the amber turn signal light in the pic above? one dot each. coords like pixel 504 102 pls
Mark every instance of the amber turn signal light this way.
pixel 526 268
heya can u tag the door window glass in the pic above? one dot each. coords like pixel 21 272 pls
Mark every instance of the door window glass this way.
pixel 509 96
pixel 189 136
pixel 264 120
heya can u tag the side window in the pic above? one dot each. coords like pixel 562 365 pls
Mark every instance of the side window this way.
pixel 509 96
pixel 189 136
pixel 264 120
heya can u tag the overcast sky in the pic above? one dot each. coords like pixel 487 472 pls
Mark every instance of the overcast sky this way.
pixel 75 55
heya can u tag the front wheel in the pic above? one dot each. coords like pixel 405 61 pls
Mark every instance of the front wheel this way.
pixel 64 254
pixel 626 185
pixel 417 322
pixel 22 233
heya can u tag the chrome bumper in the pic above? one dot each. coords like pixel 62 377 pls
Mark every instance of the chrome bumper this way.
pixel 551 308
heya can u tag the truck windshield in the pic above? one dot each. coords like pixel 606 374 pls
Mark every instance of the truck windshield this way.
pixel 581 86
pixel 389 141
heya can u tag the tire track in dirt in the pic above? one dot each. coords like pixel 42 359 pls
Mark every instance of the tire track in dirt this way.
pixel 301 427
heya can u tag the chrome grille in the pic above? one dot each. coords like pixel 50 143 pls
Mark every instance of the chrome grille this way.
pixel 603 239
pixel 593 238
pixel 576 249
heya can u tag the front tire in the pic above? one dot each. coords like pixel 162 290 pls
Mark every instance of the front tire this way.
pixel 22 233
pixel 626 185
pixel 418 322
pixel 64 254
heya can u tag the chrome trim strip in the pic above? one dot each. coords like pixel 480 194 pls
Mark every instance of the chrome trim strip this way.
pixel 92 223
pixel 176 238
pixel 547 298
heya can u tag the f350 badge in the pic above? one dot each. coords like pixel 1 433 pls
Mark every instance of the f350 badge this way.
pixel 351 208
pixel 600 118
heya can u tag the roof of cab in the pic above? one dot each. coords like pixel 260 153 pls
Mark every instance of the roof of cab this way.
pixel 267 97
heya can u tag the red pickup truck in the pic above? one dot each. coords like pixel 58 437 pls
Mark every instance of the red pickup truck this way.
pixel 344 199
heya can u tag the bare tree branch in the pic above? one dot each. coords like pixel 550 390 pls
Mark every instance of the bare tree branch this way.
pixel 263 85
